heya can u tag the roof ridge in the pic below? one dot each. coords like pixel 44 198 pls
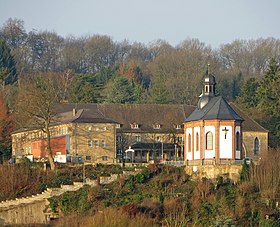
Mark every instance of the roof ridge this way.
pixel 205 113
pixel 102 113
pixel 219 109
pixel 249 117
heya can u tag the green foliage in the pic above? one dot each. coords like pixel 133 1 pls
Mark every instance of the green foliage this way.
pixel 229 87
pixel 223 221
pixel 269 223
pixel 71 202
pixel 7 64
pixel 269 89
pixel 248 97
pixel 159 93
pixel 244 174
pixel 120 90
pixel 84 89
pixel 143 176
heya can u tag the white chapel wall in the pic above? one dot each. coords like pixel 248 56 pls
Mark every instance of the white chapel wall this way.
pixel 209 153
pixel 189 152
pixel 226 142
pixel 196 151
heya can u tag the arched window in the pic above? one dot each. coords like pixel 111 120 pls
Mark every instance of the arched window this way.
pixel 237 141
pixel 189 142
pixel 256 146
pixel 209 141
pixel 197 142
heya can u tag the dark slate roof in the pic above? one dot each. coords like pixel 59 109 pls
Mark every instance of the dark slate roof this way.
pixel 249 125
pixel 165 114
pixel 216 108
pixel 146 115
pixel 84 114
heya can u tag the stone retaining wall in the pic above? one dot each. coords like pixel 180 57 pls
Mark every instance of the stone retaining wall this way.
pixel 35 209
pixel 213 171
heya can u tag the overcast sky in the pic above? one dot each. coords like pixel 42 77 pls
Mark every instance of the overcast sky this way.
pixel 213 22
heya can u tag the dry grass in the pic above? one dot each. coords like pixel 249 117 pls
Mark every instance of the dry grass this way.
pixel 107 218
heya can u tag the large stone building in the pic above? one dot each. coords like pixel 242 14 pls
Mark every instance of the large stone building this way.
pixel 214 130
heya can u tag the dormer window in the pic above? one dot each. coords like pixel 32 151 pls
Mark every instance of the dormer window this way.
pixel 178 126
pixel 134 126
pixel 156 126
pixel 118 125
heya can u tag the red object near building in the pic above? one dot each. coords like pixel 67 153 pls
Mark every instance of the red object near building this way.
pixel 58 145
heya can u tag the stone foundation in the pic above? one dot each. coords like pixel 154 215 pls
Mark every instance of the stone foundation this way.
pixel 213 171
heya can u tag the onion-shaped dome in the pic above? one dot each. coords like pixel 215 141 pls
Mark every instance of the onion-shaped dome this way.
pixel 203 100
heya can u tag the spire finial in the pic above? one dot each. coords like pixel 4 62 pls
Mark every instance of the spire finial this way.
pixel 208 68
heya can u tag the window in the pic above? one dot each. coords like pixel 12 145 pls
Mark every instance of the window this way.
pixel 180 139
pixel 256 146
pixel 134 126
pixel 138 138
pixel 104 129
pixel 189 143
pixel 88 158
pixel 237 141
pixel 89 143
pixel 118 125
pixel 119 138
pixel 156 126
pixel 209 141
pixel 158 139
pixel 104 158
pixel 103 143
pixel 206 89
pixel 96 144
pixel 197 141
pixel 178 126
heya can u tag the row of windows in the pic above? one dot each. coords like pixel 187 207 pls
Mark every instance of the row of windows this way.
pixel 90 128
pixel 95 143
pixel 155 126
pixel 40 134
pixel 158 138
pixel 209 141
pixel 104 158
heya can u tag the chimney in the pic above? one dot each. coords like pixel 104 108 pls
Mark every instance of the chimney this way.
pixel 74 112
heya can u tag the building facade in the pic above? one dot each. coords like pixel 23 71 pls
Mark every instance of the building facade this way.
pixel 109 133
pixel 214 130
pixel 76 136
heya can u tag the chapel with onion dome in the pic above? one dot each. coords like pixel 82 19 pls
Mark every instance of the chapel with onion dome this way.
pixel 213 131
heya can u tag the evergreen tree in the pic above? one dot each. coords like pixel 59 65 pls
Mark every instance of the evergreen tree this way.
pixel 268 94
pixel 84 89
pixel 119 90
pixel 7 65
pixel 248 97
pixel 159 93
pixel 269 90
pixel 6 127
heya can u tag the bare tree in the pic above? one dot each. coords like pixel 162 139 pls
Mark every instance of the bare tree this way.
pixel 36 104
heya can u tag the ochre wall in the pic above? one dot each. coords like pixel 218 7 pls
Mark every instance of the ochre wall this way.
pixel 248 142
pixel 31 213
pixel 81 134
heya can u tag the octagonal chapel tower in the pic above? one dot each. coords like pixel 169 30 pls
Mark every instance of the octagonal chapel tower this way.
pixel 213 130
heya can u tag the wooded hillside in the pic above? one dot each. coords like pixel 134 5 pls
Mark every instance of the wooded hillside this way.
pixel 98 69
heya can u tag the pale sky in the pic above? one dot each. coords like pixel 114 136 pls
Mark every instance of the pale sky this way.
pixel 213 22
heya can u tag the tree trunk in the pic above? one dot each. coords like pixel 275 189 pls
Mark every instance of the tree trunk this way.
pixel 49 149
